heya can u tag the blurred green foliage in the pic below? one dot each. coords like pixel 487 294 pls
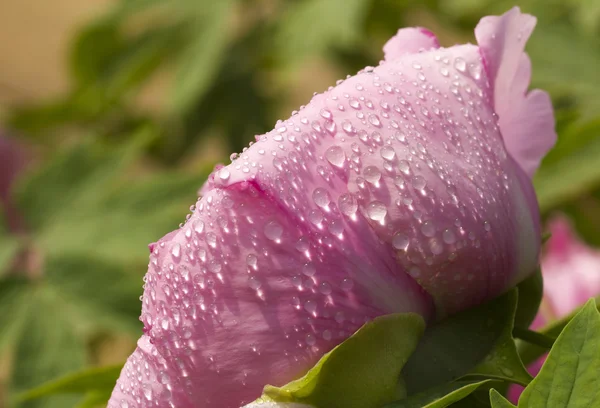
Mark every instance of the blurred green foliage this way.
pixel 90 206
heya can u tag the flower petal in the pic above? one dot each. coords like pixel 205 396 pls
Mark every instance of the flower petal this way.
pixel 526 120
pixel 410 41
pixel 244 295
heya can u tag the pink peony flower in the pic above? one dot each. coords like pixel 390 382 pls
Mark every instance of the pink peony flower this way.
pixel 405 188
pixel 12 161
pixel 571 273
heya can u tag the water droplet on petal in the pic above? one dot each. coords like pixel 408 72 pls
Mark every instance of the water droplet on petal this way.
pixel 448 236
pixel 321 197
pixel 374 120
pixel 460 64
pixel 372 174
pixel 254 283
pixel 428 229
pixel 388 153
pixel 336 156
pixel 309 269
pixel 325 113
pixel 377 211
pixel 400 241
pixel 224 174
pixel 348 204
pixel 273 230
pixel 419 182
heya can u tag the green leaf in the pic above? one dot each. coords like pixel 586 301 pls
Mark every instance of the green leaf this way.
pixel 99 293
pixel 530 352
pixel 498 401
pixel 9 247
pixel 95 399
pixel 440 397
pixel 474 342
pixel 531 291
pixel 48 347
pixel 71 181
pixel 503 362
pixel 363 371
pixel 569 376
pixel 13 308
pixel 315 26
pixel 202 58
pixel 571 169
pixel 97 380
pixel 118 225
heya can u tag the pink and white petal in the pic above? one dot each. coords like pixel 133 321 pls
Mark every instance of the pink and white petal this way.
pixel 410 41
pixel 526 120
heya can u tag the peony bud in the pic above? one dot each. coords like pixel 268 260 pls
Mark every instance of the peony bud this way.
pixel 405 188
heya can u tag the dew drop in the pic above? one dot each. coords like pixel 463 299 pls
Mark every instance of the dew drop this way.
pixel 325 288
pixel 254 283
pixel 388 153
pixel 348 204
pixel 224 174
pixel 377 211
pixel 309 269
pixel 336 156
pixel 321 197
pixel 460 64
pixel 374 120
pixel 428 229
pixel 325 113
pixel 419 182
pixel 273 230
pixel 448 236
pixel 400 241
pixel 251 260
pixel 372 174
pixel 348 128
pixel 404 167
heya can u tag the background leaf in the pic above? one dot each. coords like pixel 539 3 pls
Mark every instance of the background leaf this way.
pixel 97 381
pixel 48 347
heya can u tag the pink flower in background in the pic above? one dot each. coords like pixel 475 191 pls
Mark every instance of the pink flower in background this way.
pixel 405 188
pixel 571 273
pixel 12 161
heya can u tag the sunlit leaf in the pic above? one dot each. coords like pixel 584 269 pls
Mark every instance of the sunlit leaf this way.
pixel 569 376
pixel 363 371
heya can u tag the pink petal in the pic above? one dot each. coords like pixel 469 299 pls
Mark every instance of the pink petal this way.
pixel 571 270
pixel 244 295
pixel 410 41
pixel 12 162
pixel 526 120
